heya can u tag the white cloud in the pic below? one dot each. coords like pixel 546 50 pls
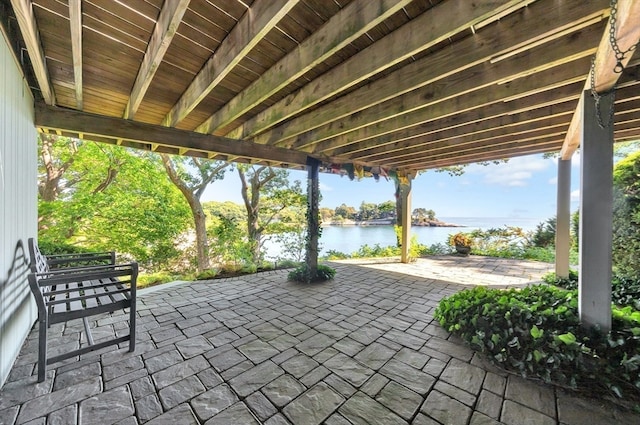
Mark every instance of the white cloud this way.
pixel 514 173
pixel 553 180
pixel 575 195
pixel 325 188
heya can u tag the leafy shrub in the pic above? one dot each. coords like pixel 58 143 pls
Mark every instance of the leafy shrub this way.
pixel 336 255
pixel 569 283
pixel 536 332
pixel 287 264
pixel 625 291
pixel 626 217
pixel 545 234
pixel 158 278
pixel 303 274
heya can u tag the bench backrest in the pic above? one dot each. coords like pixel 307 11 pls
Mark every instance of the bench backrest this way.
pixel 39 262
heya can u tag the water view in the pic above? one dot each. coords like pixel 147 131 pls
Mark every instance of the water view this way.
pixel 348 239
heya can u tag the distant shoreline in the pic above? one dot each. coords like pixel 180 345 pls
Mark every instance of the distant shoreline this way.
pixel 389 222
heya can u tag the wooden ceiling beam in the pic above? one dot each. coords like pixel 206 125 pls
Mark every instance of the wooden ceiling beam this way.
pixel 29 29
pixel 343 28
pixel 473 123
pixel 111 127
pixel 552 79
pixel 254 25
pixel 514 31
pixel 75 21
pixel 441 22
pixel 627 32
pixel 486 75
pixel 163 32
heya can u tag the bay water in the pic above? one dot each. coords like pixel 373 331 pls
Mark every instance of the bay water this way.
pixel 348 239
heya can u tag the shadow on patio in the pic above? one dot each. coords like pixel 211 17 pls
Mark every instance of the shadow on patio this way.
pixel 361 349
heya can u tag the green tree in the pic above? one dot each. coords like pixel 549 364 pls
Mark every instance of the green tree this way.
pixel 368 211
pixel 108 198
pixel 326 214
pixel 545 234
pixel 191 176
pixel 387 209
pixel 273 204
pixel 626 217
pixel 346 212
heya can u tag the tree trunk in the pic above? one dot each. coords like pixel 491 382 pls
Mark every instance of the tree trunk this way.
pixel 251 198
pixel 199 218
pixel 49 189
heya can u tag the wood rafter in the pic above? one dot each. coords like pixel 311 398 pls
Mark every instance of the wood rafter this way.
pixel 75 20
pixel 628 34
pixel 331 38
pixel 444 21
pixel 111 127
pixel 163 32
pixel 516 32
pixel 29 29
pixel 256 23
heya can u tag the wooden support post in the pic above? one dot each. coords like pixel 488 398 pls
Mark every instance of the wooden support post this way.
pixel 563 219
pixel 405 193
pixel 596 212
pixel 313 212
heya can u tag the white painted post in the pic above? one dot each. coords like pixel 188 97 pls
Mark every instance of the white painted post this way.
pixel 596 213
pixel 563 219
pixel 405 192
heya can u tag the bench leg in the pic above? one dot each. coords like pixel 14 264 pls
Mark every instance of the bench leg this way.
pixel 42 348
pixel 132 326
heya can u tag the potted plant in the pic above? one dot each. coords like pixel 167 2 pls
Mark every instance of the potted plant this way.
pixel 461 242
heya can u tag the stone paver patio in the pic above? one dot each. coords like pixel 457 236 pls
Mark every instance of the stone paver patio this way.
pixel 362 349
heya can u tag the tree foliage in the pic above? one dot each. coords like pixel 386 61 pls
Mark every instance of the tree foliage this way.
pixel 626 217
pixel 108 198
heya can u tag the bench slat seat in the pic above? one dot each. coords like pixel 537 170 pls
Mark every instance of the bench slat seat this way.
pixel 65 290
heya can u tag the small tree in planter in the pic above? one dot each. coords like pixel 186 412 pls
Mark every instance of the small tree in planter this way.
pixel 461 242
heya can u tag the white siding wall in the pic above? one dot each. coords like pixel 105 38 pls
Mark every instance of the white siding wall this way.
pixel 18 206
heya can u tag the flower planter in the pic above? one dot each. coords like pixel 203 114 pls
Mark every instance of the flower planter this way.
pixel 463 249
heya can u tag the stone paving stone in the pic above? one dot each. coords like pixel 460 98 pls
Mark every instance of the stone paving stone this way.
pixel 75 376
pixel 39 421
pixel 434 367
pixel 163 333
pixel 361 409
pixel 337 419
pixel 479 419
pixel 282 390
pixel 444 409
pixel 375 355
pixel 489 404
pixel 421 419
pixel 366 334
pixel 148 407
pixel 299 365
pixel 45 404
pixel 239 413
pixel 457 350
pixel 131 420
pixel 180 415
pixel 532 395
pixel 408 376
pixel 578 411
pixel 315 344
pixel 179 371
pixel 260 406
pixel 223 338
pixel 295 328
pixel 455 393
pixel 495 383
pixel 373 386
pixel 313 406
pixel 277 420
pixel 255 378
pixel 180 392
pixel 463 375
pixel 223 360
pixel 516 414
pixel 284 342
pixel 214 401
pixel 15 393
pixel 237 370
pixel 348 346
pixel 193 346
pixel 400 400
pixel 332 330
pixel 340 385
pixel 315 376
pixel 350 370
pixel 258 351
pixel 266 331
pixel 209 378
pixel 125 379
pixel 325 355
pixel 284 356
pixel 412 357
pixel 8 416
pixel 65 416
pixel 184 324
pixel 107 408
pixel 124 367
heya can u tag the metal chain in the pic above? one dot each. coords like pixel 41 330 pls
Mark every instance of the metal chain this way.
pixel 620 55
pixel 597 96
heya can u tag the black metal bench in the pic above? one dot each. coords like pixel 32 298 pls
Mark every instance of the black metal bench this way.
pixel 77 286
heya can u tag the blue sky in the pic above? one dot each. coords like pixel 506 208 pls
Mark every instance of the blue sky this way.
pixel 524 187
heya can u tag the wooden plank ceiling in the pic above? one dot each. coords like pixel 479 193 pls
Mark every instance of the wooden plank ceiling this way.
pixel 400 84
